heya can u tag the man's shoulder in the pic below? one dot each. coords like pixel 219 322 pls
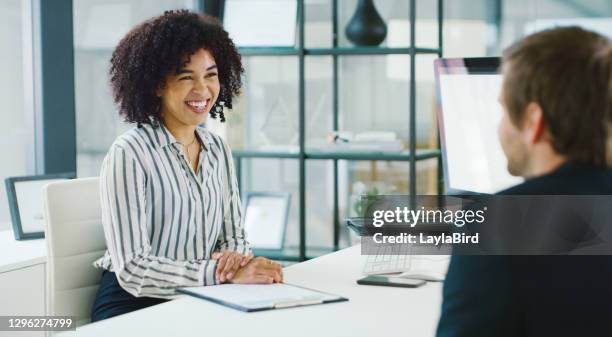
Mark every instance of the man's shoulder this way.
pixel 569 179
pixel 532 186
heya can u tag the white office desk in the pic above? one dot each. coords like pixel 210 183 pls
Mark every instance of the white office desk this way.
pixel 20 254
pixel 370 311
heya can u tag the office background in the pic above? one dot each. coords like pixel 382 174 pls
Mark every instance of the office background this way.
pixel 42 106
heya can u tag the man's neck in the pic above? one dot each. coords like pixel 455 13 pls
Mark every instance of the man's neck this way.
pixel 545 163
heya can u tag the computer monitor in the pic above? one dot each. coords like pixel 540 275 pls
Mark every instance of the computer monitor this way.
pixel 468 116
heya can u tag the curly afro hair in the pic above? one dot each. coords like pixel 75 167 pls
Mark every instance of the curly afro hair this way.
pixel 160 46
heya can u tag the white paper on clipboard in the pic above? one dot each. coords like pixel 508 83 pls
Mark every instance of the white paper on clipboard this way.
pixel 251 297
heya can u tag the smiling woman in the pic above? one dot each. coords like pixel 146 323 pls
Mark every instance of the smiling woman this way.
pixel 170 200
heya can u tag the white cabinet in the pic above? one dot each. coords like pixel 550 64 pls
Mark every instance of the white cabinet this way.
pixel 22 292
pixel 22 279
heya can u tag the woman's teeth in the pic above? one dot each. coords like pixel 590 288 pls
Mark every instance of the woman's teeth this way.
pixel 199 105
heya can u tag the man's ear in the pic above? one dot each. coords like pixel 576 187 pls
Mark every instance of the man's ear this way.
pixel 534 123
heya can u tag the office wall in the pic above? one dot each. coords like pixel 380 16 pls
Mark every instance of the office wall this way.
pixel 14 137
pixel 493 25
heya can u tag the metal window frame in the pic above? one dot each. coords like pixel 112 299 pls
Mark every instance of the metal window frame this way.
pixel 48 68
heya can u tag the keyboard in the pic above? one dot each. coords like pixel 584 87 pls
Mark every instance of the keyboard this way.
pixel 388 259
pixel 427 268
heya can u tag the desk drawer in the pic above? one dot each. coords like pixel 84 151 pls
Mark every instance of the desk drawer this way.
pixel 22 292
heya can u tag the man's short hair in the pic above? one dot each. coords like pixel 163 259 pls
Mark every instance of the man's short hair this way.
pixel 568 72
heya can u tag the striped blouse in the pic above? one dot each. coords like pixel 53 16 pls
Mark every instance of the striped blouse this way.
pixel 162 221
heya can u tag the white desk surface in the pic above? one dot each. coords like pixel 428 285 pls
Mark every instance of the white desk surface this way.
pixel 19 254
pixel 370 311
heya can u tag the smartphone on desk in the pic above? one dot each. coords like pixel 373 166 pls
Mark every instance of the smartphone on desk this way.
pixel 390 281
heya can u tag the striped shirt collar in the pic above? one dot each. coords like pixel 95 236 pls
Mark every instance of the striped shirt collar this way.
pixel 163 137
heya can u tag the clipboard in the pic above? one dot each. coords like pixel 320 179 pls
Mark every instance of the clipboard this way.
pixel 261 297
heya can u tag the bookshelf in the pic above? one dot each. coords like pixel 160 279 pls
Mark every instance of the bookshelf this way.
pixel 302 154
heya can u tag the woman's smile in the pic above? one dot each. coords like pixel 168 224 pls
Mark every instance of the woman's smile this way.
pixel 198 106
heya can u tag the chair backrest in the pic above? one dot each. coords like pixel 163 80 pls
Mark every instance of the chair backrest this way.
pixel 75 239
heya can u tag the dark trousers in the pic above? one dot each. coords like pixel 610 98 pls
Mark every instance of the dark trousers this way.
pixel 112 300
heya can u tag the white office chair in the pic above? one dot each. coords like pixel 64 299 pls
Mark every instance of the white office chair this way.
pixel 75 238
